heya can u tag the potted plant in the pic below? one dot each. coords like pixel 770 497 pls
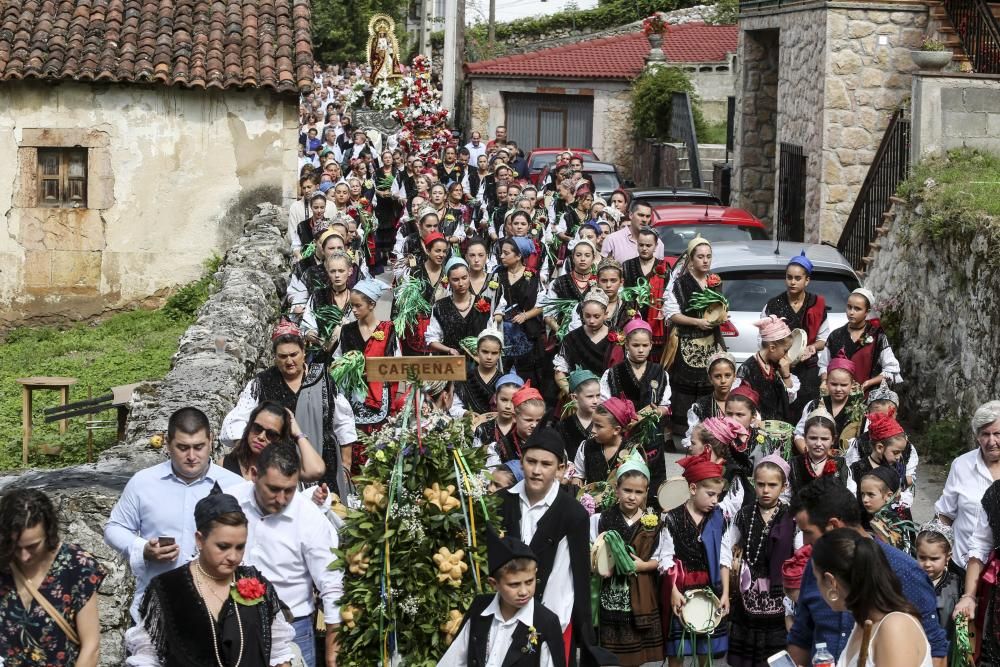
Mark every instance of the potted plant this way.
pixel 932 55
pixel 654 26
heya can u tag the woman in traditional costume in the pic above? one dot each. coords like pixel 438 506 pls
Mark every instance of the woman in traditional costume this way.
pixel 372 401
pixel 863 341
pixel 328 309
pixel 422 285
pixel 516 308
pixel 565 293
pixel 212 611
pixel 387 210
pixel 323 414
pixel 688 295
pixel 804 310
pixel 458 315
pixel 481 274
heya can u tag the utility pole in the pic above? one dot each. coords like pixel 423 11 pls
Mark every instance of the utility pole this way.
pixel 492 36
pixel 423 45
pixel 448 73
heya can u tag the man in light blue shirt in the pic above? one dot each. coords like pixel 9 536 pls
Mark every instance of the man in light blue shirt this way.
pixel 152 524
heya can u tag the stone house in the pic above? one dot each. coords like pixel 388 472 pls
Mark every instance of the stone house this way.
pixel 818 82
pixel 579 95
pixel 128 130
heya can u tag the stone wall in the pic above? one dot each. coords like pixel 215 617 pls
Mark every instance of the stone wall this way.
pixel 868 75
pixel 843 69
pixel 756 123
pixel 954 111
pixel 950 363
pixel 244 308
pixel 164 166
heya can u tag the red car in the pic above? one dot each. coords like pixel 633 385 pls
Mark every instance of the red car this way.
pixel 676 225
pixel 540 158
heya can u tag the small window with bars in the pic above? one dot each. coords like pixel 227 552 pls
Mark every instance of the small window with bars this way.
pixel 62 177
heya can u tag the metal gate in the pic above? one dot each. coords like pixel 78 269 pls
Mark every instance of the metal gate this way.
pixel 549 121
pixel 791 218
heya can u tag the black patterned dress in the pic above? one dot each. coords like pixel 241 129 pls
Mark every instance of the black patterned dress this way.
pixel 810 316
pixel 454 325
pixel 632 271
pixel 579 350
pixel 866 357
pixel 689 372
pixel 573 433
pixel 802 473
pixel 477 394
pixel 757 628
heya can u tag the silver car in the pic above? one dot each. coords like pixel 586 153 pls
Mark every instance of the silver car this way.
pixel 752 274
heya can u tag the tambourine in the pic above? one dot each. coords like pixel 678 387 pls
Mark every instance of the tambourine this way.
pixel 600 558
pixel 799 341
pixel 672 493
pixel 700 613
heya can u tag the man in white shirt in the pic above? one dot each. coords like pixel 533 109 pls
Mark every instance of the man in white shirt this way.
pixel 476 147
pixel 557 529
pixel 623 245
pixel 290 540
pixel 152 524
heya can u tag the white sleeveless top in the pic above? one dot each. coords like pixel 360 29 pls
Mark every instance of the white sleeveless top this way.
pixel 852 659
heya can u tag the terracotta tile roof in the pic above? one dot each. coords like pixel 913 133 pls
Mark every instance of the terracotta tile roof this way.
pixel 617 57
pixel 699 43
pixel 190 43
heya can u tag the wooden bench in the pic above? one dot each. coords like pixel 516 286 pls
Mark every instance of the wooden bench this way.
pixel 29 385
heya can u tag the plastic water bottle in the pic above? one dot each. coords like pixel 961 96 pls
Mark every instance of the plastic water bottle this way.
pixel 823 657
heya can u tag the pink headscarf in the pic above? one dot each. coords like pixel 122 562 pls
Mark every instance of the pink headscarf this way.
pixel 776 459
pixel 637 323
pixel 726 430
pixel 843 363
pixel 772 328
pixel 622 410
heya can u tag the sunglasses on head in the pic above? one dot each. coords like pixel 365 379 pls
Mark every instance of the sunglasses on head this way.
pixel 269 433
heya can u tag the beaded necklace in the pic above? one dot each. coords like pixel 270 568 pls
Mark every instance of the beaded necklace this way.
pixel 211 619
pixel 765 526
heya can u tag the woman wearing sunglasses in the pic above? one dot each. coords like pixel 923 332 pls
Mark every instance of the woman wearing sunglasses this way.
pixel 270 423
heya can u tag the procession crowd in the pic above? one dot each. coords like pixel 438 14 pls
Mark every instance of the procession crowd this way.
pixel 589 354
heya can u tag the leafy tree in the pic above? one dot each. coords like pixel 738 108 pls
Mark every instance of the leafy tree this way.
pixel 340 27
pixel 652 100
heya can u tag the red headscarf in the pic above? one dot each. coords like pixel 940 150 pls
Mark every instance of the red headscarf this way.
pixel 622 410
pixel 698 468
pixel 883 426
pixel 843 363
pixel 432 237
pixel 526 393
pixel 748 392
pixel 285 328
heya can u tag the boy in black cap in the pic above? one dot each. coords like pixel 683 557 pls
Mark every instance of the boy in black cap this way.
pixel 557 529
pixel 508 628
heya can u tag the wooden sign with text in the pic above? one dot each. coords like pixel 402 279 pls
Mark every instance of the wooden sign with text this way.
pixel 398 369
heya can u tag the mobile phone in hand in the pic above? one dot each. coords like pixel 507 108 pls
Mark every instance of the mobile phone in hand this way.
pixel 166 541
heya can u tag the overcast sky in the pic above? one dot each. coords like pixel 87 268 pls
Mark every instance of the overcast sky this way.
pixel 514 9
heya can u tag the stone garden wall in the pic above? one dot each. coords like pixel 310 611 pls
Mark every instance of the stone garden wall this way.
pixel 950 364
pixel 756 122
pixel 242 310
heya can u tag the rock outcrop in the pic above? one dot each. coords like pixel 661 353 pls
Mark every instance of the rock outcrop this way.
pixel 243 309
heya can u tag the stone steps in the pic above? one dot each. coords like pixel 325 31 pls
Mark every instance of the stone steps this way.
pixel 948 35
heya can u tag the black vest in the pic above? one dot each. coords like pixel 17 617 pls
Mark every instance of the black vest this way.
pixel 545 622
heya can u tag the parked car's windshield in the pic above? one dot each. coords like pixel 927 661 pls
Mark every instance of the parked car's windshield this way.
pixel 539 162
pixel 605 181
pixel 676 237
pixel 751 290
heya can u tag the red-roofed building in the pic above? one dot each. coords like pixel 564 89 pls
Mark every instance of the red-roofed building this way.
pixel 579 94
pixel 129 131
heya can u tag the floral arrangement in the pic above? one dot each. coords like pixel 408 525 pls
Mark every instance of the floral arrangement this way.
pixel 416 546
pixel 386 95
pixel 423 118
pixel 654 25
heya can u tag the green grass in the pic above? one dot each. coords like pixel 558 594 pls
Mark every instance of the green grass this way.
pixel 121 349
pixel 714 133
pixel 959 194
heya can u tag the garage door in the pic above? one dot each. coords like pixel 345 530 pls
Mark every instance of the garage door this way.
pixel 548 121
